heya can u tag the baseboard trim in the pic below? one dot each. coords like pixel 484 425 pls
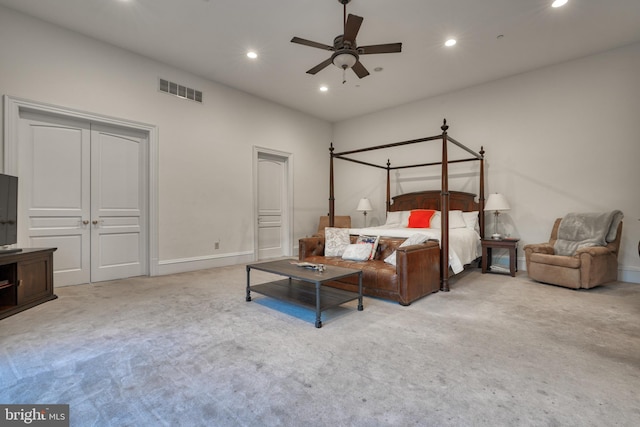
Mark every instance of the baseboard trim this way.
pixel 629 274
pixel 183 265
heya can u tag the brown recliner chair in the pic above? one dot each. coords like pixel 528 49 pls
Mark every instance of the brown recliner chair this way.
pixel 589 267
pixel 338 222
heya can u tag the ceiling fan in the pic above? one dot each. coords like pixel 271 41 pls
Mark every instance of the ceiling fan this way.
pixel 346 53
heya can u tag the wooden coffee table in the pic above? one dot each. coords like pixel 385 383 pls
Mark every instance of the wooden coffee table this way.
pixel 303 286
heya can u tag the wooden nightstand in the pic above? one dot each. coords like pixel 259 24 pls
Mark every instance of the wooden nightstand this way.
pixel 489 244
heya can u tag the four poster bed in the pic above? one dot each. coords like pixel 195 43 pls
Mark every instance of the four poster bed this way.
pixel 458 244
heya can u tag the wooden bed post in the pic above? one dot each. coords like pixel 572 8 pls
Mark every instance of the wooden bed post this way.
pixel 481 196
pixel 388 185
pixel 444 214
pixel 331 195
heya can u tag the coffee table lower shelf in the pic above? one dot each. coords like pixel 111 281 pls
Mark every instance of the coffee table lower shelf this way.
pixel 304 287
pixel 304 294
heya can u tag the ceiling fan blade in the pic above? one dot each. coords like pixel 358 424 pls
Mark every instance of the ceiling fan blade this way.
pixel 320 66
pixel 380 48
pixel 351 28
pixel 312 44
pixel 359 69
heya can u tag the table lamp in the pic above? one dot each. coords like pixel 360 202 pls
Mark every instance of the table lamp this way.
pixel 496 203
pixel 364 206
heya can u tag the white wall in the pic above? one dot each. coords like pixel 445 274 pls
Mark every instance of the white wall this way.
pixel 560 139
pixel 205 150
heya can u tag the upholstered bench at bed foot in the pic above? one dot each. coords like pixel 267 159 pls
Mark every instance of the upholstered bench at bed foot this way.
pixel 416 274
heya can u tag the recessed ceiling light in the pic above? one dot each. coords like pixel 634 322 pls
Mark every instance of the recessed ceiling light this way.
pixel 252 54
pixel 450 42
pixel 559 3
pixel 378 69
pixel 323 88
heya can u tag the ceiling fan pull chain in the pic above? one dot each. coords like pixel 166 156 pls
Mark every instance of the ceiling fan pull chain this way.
pixel 344 75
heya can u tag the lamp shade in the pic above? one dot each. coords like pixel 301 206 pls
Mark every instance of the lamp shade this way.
pixel 364 205
pixel 496 202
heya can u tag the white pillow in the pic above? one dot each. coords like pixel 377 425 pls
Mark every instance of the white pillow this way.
pixel 435 220
pixel 357 252
pixel 336 241
pixel 414 239
pixel 405 218
pixel 471 220
pixel 456 220
pixel 394 218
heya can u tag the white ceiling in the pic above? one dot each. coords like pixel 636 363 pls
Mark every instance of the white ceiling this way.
pixel 210 38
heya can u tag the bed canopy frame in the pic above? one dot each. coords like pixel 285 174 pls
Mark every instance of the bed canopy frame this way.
pixel 444 190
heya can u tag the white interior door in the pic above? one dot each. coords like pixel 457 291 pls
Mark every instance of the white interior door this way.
pixel 117 203
pixel 272 208
pixel 54 192
pixel 77 181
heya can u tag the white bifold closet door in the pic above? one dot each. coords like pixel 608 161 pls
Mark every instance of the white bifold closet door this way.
pixel 82 190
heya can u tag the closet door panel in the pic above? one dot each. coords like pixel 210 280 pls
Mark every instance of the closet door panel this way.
pixel 117 195
pixel 54 192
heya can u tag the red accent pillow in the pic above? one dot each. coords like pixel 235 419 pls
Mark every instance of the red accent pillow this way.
pixel 420 218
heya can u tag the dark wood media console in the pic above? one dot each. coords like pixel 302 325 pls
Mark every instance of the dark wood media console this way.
pixel 26 280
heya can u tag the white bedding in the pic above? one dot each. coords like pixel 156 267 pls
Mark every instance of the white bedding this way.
pixel 464 243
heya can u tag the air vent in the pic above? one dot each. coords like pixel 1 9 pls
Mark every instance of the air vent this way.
pixel 180 91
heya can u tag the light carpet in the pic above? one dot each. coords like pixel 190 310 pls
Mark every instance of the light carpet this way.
pixel 187 349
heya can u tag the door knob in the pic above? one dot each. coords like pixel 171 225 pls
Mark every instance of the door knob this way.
pixel 85 222
pixel 94 222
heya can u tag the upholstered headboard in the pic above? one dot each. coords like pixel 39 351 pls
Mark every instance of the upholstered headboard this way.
pixel 430 199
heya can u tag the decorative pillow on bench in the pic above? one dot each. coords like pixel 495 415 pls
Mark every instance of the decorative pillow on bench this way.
pixel 336 241
pixel 371 241
pixel 357 252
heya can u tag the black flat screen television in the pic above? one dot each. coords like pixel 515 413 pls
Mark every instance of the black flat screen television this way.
pixel 8 212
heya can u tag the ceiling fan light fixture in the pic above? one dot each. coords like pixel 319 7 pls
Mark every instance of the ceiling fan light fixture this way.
pixel 346 52
pixel 344 60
